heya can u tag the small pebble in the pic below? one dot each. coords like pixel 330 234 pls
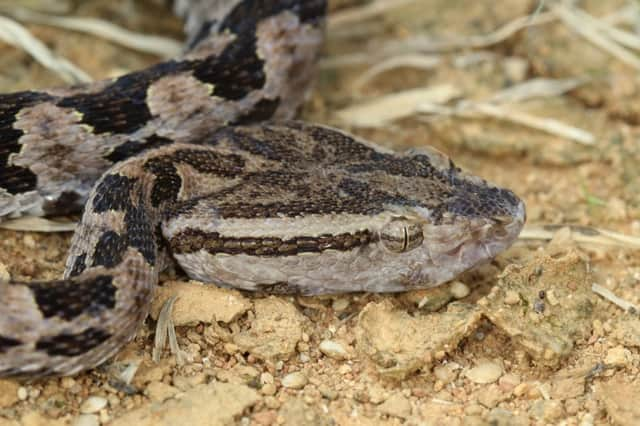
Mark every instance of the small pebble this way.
pixel 29 241
pixel 93 404
pixel 269 417
pixel 587 420
pixel 500 416
pixel 547 411
pixel 345 369
pixel 619 357
pixel 327 392
pixel 485 372
pixel 5 277
pixel 22 393
pixel 396 405
pixel 271 402
pixel 551 297
pixel 266 378
pixel 159 391
pixel 86 420
pixel 341 304
pixel 446 373
pixel 333 349
pixel 473 409
pixel 491 396
pixel 67 382
pixel 8 393
pixel 377 394
pixel 268 389
pixel 459 290
pixel 295 380
pixel 511 297
pixel 509 381
pixel 304 358
pixel 521 389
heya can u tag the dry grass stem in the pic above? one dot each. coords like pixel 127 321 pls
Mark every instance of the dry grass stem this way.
pixel 166 328
pixel 429 45
pixel 38 224
pixel 548 125
pixel 358 14
pixel 411 60
pixel 611 297
pixel 582 235
pixel 15 34
pixel 160 46
pixel 469 109
pixel 387 108
pixel 622 37
pixel 46 6
pixel 593 34
pixel 424 44
pixel 537 88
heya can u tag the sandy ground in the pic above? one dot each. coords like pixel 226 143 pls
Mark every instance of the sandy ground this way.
pixel 523 340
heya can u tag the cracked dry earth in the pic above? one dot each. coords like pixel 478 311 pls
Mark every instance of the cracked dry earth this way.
pixel 523 340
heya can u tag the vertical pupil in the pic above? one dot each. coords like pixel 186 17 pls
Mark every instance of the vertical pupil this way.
pixel 406 238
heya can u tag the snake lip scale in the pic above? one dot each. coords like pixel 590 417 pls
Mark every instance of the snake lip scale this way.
pixel 197 161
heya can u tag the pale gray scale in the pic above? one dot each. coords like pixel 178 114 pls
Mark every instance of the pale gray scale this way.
pixel 372 267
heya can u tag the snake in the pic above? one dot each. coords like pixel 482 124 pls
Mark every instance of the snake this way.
pixel 200 162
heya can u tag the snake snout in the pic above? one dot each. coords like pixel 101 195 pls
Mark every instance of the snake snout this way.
pixel 504 229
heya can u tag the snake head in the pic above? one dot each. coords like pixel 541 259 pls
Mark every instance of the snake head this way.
pixel 457 220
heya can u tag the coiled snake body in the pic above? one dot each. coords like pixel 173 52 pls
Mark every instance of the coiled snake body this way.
pixel 168 164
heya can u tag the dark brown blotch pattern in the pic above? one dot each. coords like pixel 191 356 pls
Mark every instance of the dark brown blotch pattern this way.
pixel 236 71
pixel 113 193
pixel 192 240
pixel 14 179
pixel 79 265
pixel 131 148
pixel 7 343
pixel 121 107
pixel 72 344
pixel 68 299
pixel 261 111
pixel 109 249
pixel 167 180
pixel 244 16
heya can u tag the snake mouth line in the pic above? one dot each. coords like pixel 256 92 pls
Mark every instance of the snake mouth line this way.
pixel 486 239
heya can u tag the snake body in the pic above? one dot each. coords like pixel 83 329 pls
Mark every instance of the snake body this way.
pixel 168 164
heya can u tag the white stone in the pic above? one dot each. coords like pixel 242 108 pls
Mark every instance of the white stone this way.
pixel 485 372
pixel 333 349
pixel 459 290
pixel 86 420
pixel 93 404
pixel 295 380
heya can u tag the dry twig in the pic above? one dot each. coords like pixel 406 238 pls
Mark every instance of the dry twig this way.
pixel 161 46
pixel 582 235
pixel 611 297
pixel 16 35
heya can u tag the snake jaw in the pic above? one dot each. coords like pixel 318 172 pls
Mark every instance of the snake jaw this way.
pixel 461 243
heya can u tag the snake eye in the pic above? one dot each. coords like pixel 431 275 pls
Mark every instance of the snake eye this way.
pixel 401 235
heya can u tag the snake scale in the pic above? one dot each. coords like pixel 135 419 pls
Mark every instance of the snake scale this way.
pixel 195 160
